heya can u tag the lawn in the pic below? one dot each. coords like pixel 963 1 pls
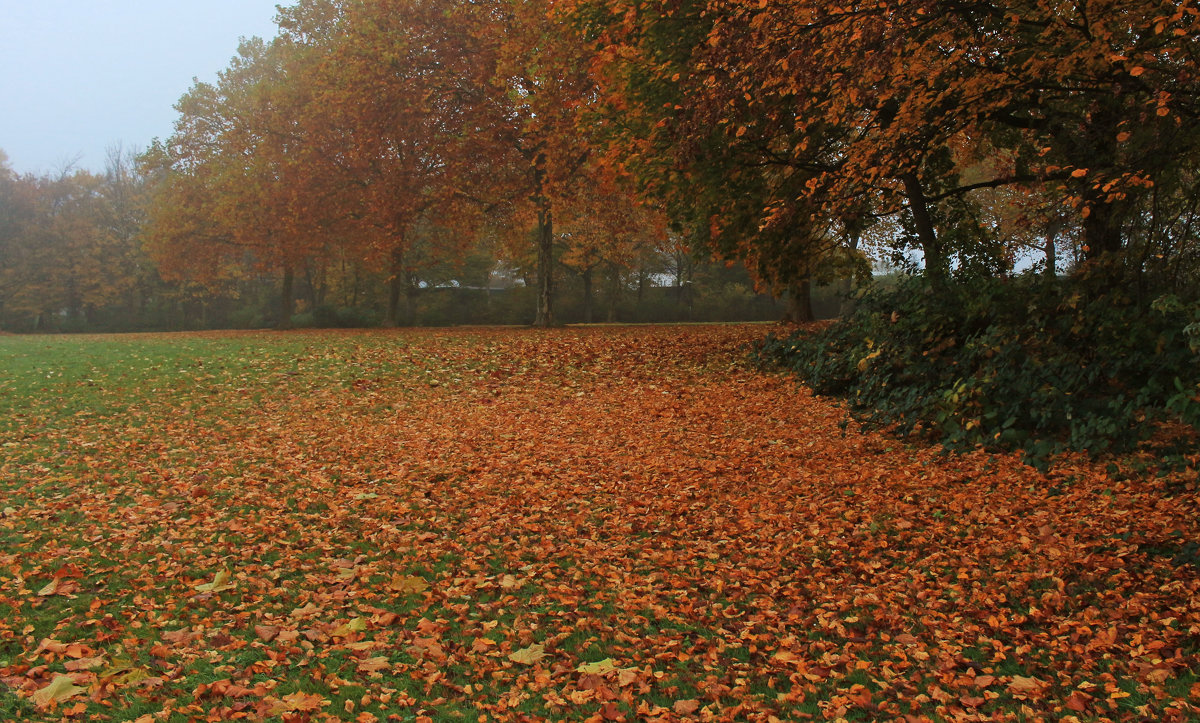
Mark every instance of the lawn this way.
pixel 604 523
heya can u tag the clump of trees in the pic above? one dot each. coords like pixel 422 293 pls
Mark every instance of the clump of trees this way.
pixel 582 143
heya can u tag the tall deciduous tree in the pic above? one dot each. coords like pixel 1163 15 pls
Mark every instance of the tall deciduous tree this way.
pixel 233 183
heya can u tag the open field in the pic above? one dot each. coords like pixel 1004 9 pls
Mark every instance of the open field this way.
pixel 601 523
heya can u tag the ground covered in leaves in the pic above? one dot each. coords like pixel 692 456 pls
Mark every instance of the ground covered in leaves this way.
pixel 604 524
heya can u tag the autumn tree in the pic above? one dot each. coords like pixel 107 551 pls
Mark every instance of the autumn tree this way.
pixel 539 158
pixel 233 184
pixel 394 94
pixel 880 111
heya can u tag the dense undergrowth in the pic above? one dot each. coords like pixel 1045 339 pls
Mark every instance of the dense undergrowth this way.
pixel 1028 363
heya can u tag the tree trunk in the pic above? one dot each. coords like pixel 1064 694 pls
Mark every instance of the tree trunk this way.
pixel 287 305
pixel 614 294
pixel 799 302
pixel 588 295
pixel 545 267
pixel 395 284
pixel 937 267
pixel 1051 270
pixel 846 284
pixel 411 290
pixel 1101 231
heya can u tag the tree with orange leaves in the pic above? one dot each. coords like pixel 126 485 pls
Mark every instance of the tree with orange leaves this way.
pixel 232 184
pixel 829 114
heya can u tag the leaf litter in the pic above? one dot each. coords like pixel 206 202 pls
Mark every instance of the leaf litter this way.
pixel 593 524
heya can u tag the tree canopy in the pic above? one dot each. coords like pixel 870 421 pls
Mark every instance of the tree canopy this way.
pixel 804 139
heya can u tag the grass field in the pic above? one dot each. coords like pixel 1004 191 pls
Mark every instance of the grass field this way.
pixel 582 524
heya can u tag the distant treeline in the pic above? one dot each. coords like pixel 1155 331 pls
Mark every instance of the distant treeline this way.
pixel 72 260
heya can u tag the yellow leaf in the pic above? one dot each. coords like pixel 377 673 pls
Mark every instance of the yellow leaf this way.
pixel 528 656
pixel 600 667
pixel 116 667
pixel 60 689
pixel 221 581
pixel 1079 173
pixel 353 626
pixel 132 677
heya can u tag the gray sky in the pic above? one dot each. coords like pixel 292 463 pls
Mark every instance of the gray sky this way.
pixel 78 76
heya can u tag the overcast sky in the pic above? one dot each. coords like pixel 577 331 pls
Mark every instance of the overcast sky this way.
pixel 78 76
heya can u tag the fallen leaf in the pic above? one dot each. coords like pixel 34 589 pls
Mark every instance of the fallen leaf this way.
pixel 84 663
pixel 1078 701
pixel 61 688
pixel 600 667
pixel 579 697
pixel 354 625
pixel 296 702
pixel 1021 684
pixel 409 584
pixel 221 581
pixel 266 633
pixel 371 665
pixel 528 656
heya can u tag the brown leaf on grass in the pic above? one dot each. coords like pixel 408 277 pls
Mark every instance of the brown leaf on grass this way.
pixel 579 697
pixel 266 633
pixel 84 663
pixel 372 665
pixel 1021 685
pixel 408 584
pixel 1078 701
pixel 296 702
pixel 686 707
pixel 626 677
